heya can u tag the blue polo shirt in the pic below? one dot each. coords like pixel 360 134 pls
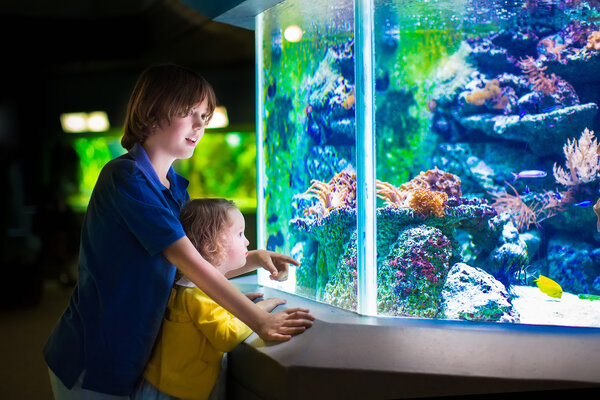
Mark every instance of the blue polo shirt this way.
pixel 124 282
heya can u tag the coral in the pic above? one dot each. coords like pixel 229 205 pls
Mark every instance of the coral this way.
pixel 491 94
pixel 552 48
pixel 339 192
pixel 426 202
pixel 427 193
pixel 537 78
pixel 413 273
pixel 570 264
pixel 541 206
pixel 391 194
pixel 329 235
pixel 593 41
pixel 341 290
pixel 490 91
pixel 435 180
pixel 582 161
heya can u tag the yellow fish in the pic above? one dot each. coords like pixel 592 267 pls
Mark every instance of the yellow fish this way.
pixel 549 287
pixel 349 101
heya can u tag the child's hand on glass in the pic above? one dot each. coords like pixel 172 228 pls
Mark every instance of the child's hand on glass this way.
pixel 254 295
pixel 269 305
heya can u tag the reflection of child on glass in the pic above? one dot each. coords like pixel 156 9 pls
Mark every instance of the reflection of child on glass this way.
pixel 132 240
pixel 196 331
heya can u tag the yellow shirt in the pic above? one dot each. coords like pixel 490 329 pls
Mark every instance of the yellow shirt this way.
pixel 195 333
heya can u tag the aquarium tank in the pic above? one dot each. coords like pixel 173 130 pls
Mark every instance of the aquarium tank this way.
pixel 223 165
pixel 433 159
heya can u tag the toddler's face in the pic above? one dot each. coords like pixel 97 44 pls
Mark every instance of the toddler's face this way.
pixel 236 242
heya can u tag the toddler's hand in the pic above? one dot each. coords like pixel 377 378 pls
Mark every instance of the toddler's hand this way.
pixel 269 305
pixel 254 295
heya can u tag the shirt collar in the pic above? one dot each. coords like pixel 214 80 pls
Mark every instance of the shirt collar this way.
pixel 178 182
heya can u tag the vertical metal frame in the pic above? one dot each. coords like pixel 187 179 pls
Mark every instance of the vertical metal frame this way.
pixel 260 135
pixel 365 156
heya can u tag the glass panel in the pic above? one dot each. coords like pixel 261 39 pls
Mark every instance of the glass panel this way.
pixel 487 165
pixel 307 101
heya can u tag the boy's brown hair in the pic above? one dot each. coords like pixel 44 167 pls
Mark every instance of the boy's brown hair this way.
pixel 160 93
pixel 203 221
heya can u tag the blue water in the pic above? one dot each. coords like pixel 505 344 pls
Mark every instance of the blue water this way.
pixel 486 157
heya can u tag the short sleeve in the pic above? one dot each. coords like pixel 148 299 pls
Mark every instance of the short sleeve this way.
pixel 144 209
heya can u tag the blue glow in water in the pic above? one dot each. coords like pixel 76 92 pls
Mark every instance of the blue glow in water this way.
pixel 467 93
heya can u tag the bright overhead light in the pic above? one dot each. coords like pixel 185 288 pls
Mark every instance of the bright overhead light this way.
pixel 293 33
pixel 219 118
pixel 73 122
pixel 233 139
pixel 96 121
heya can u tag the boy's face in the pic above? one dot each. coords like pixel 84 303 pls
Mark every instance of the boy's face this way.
pixel 178 139
pixel 236 242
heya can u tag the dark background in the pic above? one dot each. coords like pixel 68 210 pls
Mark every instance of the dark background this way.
pixel 85 55
pixel 61 56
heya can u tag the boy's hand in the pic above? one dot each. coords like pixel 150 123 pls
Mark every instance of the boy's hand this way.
pixel 282 325
pixel 269 304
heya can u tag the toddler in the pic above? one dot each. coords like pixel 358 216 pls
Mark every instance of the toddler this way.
pixel 196 331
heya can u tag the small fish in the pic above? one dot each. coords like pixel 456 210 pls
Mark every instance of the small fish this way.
pixel 557 195
pixel 349 101
pixel 584 203
pixel 522 114
pixel 529 173
pixel 548 286
pixel 526 190
pixel 550 109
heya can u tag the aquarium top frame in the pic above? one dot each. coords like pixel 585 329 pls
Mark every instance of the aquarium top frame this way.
pixel 243 14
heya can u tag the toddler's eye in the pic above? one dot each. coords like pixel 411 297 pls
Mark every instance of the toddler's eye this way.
pixel 184 113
